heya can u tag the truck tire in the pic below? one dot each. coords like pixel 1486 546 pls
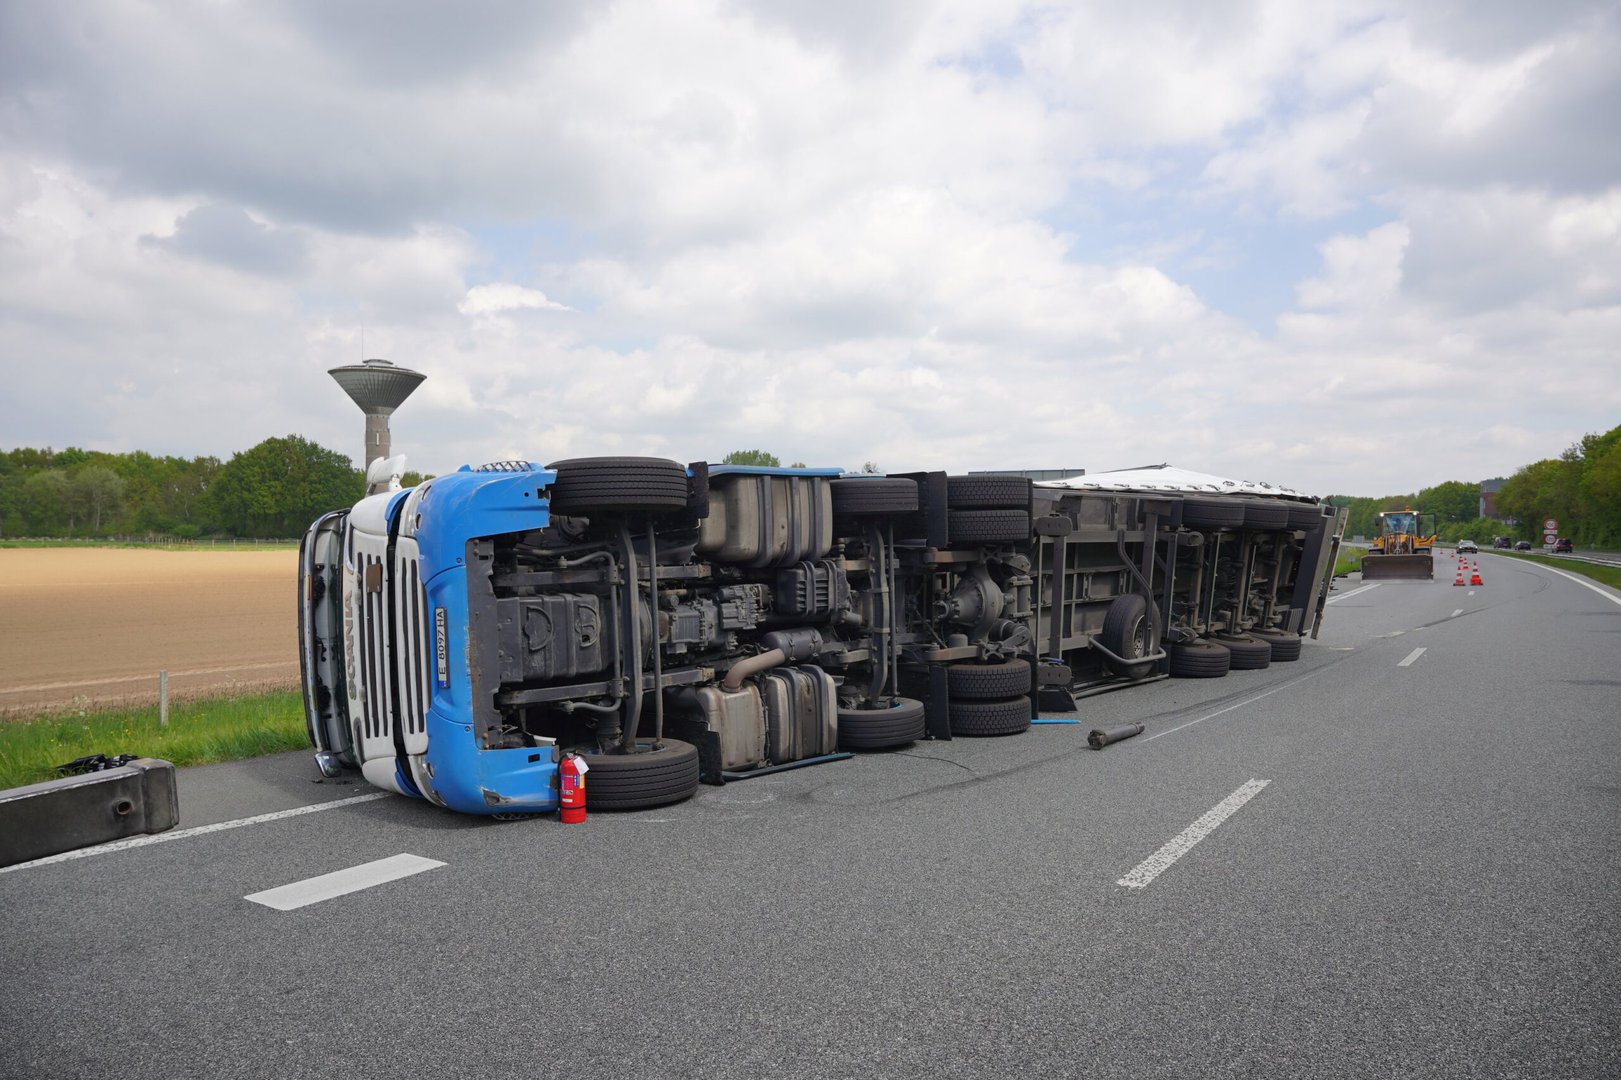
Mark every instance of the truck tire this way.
pixel 879 495
pixel 1285 646
pixel 1249 653
pixel 1199 659
pixel 1128 632
pixel 1200 513
pixel 634 781
pixel 988 492
pixel 587 485
pixel 1304 516
pixel 988 527
pixel 970 718
pixel 878 729
pixel 1259 514
pixel 988 681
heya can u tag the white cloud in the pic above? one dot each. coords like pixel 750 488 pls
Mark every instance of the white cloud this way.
pixel 505 296
pixel 1359 271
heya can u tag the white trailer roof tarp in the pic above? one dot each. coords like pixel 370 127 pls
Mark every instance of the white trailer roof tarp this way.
pixel 1169 478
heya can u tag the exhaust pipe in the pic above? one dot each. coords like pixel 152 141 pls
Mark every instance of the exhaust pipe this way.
pixel 1102 737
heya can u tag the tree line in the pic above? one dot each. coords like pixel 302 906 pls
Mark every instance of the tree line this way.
pixel 279 486
pixel 1581 489
pixel 274 489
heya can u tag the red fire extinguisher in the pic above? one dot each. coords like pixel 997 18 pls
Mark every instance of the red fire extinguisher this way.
pixel 571 788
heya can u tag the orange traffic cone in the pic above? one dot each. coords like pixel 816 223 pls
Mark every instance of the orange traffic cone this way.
pixel 1474 576
pixel 1460 580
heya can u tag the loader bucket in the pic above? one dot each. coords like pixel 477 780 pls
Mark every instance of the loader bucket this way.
pixel 1398 568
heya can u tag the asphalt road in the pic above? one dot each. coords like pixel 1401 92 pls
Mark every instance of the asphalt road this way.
pixel 1408 864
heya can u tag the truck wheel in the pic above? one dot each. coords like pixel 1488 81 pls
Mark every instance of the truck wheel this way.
pixel 988 681
pixel 879 495
pixel 988 492
pixel 634 781
pixel 584 485
pixel 1199 659
pixel 1285 646
pixel 990 717
pixel 1200 513
pixel 1304 516
pixel 1265 515
pixel 877 729
pixel 988 527
pixel 1128 632
pixel 1249 653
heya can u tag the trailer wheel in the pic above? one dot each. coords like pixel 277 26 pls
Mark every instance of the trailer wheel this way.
pixel 634 781
pixel 1200 513
pixel 988 681
pixel 1199 659
pixel 1249 653
pixel 1265 515
pixel 988 492
pixel 1285 646
pixel 1304 516
pixel 990 717
pixel 988 527
pixel 878 495
pixel 878 729
pixel 586 485
pixel 1128 632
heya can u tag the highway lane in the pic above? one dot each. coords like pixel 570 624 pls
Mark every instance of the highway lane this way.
pixel 1423 884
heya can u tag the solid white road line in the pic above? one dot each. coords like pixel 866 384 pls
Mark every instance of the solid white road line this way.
pixel 1157 863
pixel 341 882
pixel 1611 597
pixel 1414 655
pixel 182 834
pixel 1353 592
pixel 1236 705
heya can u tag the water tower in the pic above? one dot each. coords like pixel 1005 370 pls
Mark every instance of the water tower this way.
pixel 379 388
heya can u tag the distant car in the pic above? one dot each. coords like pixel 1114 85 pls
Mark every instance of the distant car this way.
pixel 1502 542
pixel 1468 545
pixel 1563 544
pixel 1523 545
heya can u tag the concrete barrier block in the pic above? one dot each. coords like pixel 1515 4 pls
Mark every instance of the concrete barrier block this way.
pixel 77 811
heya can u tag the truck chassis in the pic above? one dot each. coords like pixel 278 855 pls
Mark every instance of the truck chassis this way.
pixel 684 624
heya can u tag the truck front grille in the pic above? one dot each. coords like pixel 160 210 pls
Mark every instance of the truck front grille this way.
pixel 410 607
pixel 393 673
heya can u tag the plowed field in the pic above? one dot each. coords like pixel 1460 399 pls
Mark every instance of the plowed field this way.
pixel 94 626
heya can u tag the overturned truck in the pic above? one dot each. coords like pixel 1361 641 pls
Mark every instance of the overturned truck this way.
pixel 677 624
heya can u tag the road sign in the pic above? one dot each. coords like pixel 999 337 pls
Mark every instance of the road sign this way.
pixel 1551 525
pixel 1549 538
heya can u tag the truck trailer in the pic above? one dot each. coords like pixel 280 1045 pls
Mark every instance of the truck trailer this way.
pixel 682 624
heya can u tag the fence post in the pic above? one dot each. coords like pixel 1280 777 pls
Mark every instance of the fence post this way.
pixel 163 699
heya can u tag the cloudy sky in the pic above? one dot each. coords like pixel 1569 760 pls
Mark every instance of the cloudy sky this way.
pixel 1347 247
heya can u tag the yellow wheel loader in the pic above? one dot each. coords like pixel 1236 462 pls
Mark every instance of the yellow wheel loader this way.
pixel 1403 550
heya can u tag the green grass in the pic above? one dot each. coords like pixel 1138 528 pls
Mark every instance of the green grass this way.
pixel 1608 575
pixel 199 732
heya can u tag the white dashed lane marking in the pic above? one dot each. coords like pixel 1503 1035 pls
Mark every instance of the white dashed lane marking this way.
pixel 1183 842
pixel 342 882
pixel 1414 655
